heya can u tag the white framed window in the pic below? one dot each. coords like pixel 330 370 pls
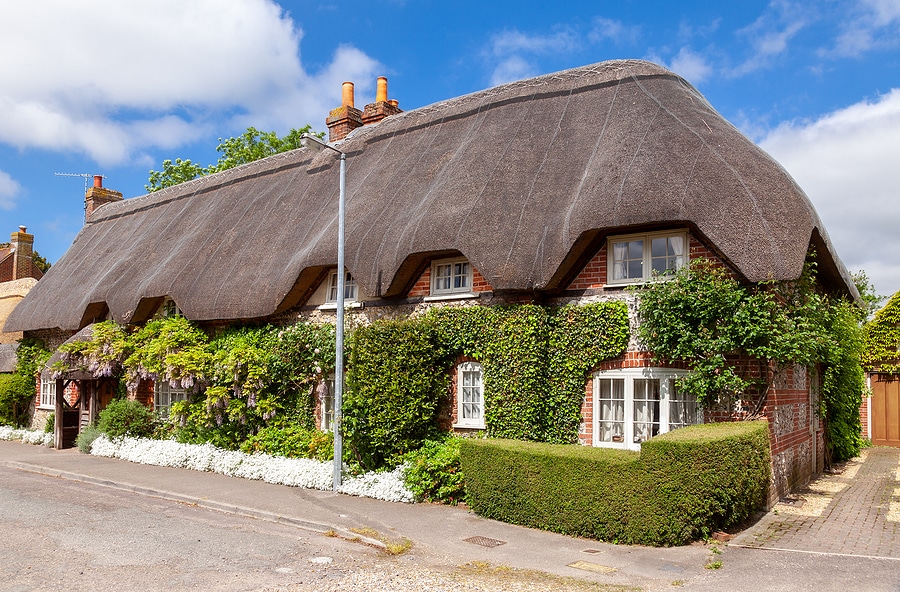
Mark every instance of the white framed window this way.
pixel 350 289
pixel 635 404
pixel 326 405
pixel 639 257
pixel 451 276
pixel 164 395
pixel 470 395
pixel 48 393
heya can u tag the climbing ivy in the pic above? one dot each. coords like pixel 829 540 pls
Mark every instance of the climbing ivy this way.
pixel 882 339
pixel 535 361
pixel 705 318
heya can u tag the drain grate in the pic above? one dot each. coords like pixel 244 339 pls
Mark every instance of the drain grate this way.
pixel 484 541
pixel 592 551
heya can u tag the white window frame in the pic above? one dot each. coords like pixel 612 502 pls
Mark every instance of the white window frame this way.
pixel 48 394
pixel 164 395
pixel 669 401
pixel 459 282
pixel 470 396
pixel 351 290
pixel 646 255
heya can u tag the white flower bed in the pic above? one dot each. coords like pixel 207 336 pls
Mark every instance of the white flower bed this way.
pixel 26 436
pixel 296 472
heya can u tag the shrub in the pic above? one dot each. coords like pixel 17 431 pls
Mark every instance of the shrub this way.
pixel 50 424
pixel 16 396
pixel 291 442
pixel 680 487
pixel 86 438
pixel 124 417
pixel 433 472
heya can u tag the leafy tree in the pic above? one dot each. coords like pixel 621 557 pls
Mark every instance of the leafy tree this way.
pixel 250 146
pixel 871 300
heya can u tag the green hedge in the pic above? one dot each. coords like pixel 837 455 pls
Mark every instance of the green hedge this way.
pixel 682 485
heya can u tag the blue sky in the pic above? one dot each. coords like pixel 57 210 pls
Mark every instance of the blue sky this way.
pixel 113 88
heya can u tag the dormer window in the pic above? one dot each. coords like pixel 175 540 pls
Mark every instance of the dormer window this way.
pixel 350 289
pixel 637 258
pixel 451 276
pixel 168 309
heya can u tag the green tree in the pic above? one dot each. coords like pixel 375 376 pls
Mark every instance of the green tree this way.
pixel 250 146
pixel 870 300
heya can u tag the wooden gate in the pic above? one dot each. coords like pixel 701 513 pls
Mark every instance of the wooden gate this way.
pixel 885 410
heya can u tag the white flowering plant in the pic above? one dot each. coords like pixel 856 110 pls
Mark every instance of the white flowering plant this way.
pixel 294 472
pixel 26 436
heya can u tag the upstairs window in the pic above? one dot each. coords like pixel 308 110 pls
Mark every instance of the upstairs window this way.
pixel 350 289
pixel 168 309
pixel 470 395
pixel 451 276
pixel 640 257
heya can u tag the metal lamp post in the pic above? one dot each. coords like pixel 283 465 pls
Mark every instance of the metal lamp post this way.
pixel 308 141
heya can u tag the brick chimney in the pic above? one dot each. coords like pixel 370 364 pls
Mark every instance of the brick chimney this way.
pixel 97 196
pixel 346 118
pixel 22 244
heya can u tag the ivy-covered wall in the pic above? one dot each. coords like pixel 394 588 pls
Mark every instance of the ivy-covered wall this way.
pixel 882 339
pixel 535 360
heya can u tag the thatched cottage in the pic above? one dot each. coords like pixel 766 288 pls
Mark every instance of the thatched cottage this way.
pixel 565 187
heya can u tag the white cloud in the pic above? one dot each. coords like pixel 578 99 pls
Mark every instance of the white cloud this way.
pixel 506 55
pixel 110 78
pixel 770 35
pixel 690 65
pixel 613 30
pixel 846 162
pixel 9 190
pixel 876 23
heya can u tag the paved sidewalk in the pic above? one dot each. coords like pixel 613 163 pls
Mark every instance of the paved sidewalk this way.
pixel 855 512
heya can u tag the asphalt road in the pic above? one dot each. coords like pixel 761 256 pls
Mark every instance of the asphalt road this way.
pixel 57 534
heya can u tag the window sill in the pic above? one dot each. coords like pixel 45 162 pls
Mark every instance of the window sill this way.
pixel 333 305
pixel 468 426
pixel 47 407
pixel 450 296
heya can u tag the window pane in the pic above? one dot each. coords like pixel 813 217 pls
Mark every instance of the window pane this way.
pixel 471 394
pixel 683 409
pixel 628 260
pixel 611 399
pixel 646 409
pixel 667 254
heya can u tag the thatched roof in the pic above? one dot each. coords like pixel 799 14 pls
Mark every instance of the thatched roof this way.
pixel 523 179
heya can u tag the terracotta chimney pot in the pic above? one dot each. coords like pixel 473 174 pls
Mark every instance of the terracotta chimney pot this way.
pixel 98 180
pixel 347 94
pixel 381 93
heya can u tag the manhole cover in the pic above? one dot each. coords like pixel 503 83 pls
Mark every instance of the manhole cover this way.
pixel 484 541
pixel 588 566
pixel 592 551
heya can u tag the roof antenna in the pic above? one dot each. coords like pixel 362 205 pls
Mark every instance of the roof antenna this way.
pixel 87 177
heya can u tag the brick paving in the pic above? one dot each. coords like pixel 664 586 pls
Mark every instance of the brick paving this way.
pixel 855 512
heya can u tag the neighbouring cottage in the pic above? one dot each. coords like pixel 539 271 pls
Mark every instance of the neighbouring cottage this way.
pixel 880 412
pixel 18 274
pixel 564 188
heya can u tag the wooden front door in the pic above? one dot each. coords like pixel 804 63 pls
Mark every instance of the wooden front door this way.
pixel 885 410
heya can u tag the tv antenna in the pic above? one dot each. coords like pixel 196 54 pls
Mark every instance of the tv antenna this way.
pixel 87 181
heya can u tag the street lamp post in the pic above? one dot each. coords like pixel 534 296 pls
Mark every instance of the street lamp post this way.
pixel 308 141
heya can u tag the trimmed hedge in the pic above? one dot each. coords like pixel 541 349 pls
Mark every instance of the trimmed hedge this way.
pixel 682 485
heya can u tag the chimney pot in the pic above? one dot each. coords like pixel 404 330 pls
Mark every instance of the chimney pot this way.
pixel 22 229
pixel 98 180
pixel 347 94
pixel 381 92
pixel 393 103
